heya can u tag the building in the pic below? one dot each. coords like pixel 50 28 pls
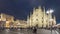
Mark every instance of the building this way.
pixel 20 24
pixel 40 19
pixel 6 19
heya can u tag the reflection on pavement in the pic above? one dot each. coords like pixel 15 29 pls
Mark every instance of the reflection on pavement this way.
pixel 18 31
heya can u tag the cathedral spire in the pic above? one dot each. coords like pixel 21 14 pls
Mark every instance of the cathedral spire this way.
pixel 34 10
pixel 44 11
pixel 30 15
pixel 28 19
pixel 54 20
pixel 39 7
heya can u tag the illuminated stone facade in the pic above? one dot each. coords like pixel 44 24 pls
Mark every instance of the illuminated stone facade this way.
pixel 8 21
pixel 40 19
pixel 20 23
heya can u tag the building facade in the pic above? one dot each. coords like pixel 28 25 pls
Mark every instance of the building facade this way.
pixel 40 19
pixel 20 23
pixel 7 19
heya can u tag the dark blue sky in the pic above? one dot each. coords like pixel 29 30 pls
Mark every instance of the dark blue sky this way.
pixel 21 8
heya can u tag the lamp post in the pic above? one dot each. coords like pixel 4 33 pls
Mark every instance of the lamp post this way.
pixel 50 18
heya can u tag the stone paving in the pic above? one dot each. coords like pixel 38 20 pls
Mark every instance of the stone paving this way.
pixel 28 31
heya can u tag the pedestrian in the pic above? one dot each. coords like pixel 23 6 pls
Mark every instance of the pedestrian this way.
pixel 35 30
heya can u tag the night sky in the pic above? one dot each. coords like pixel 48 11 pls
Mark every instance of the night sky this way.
pixel 20 9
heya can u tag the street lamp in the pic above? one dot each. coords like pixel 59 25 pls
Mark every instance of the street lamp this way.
pixel 50 17
pixel 50 11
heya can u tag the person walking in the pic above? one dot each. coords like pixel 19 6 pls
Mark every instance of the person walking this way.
pixel 34 30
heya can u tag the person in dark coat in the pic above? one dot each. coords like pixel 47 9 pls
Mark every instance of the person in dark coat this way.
pixel 35 30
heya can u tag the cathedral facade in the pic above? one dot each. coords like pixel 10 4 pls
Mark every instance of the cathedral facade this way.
pixel 40 19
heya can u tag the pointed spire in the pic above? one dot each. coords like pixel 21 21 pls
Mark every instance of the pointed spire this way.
pixel 30 14
pixel 39 7
pixel 44 9
pixel 54 20
pixel 27 18
pixel 54 17
pixel 34 9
